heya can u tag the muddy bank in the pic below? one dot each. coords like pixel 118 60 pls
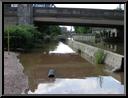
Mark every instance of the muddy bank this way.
pixel 15 81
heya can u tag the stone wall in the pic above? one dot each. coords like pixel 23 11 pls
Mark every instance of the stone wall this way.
pixel 86 51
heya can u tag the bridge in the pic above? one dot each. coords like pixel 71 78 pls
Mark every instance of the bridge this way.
pixel 64 16
pixel 90 17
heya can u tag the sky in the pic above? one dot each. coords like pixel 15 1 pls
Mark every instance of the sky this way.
pixel 92 6
pixel 97 6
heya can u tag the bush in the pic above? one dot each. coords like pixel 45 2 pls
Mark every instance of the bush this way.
pixel 22 36
pixel 99 56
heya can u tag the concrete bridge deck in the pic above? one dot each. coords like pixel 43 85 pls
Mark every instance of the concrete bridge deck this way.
pixel 70 16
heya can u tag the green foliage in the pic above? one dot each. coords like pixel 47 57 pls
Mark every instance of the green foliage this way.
pixel 21 36
pixel 48 30
pixel 54 31
pixel 81 29
pixel 27 37
pixel 99 56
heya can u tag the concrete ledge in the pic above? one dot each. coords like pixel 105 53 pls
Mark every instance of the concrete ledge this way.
pixel 15 81
pixel 113 60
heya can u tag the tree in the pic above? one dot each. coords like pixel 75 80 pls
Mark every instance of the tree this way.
pixel 49 30
pixel 54 31
pixel 81 29
pixel 22 36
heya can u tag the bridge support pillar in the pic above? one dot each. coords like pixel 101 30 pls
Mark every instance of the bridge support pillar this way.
pixel 25 14
pixel 120 34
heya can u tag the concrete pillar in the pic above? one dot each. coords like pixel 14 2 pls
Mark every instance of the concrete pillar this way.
pixel 113 34
pixel 109 34
pixel 25 14
pixel 120 34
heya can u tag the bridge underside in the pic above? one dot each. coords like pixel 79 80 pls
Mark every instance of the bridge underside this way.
pixel 79 21
pixel 39 22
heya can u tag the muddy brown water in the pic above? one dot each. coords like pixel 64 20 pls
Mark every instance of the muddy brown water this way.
pixel 70 70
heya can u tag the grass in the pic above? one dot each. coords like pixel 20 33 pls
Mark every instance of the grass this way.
pixel 99 56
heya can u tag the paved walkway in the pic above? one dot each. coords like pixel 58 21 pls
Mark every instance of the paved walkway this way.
pixel 15 81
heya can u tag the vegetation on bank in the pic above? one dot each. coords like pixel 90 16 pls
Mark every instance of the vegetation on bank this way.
pixel 27 37
pixel 48 30
pixel 99 56
pixel 81 29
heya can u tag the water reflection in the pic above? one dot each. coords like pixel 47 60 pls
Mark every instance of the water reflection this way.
pixel 62 48
pixel 114 47
pixel 89 85
pixel 100 79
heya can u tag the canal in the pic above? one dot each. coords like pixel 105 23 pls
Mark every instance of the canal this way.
pixel 73 74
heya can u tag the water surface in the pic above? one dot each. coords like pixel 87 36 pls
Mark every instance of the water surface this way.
pixel 73 74
pixel 88 85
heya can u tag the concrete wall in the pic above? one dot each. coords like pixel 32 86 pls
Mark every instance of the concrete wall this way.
pixel 25 14
pixel 90 38
pixel 8 21
pixel 112 59
pixel 10 16
pixel 14 16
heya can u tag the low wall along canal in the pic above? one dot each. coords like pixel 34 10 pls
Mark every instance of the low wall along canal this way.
pixel 85 38
pixel 113 60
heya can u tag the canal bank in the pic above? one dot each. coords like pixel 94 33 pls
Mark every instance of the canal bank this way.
pixel 113 60
pixel 15 81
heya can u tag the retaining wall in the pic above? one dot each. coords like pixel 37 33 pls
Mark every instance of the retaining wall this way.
pixel 113 60
pixel 90 38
